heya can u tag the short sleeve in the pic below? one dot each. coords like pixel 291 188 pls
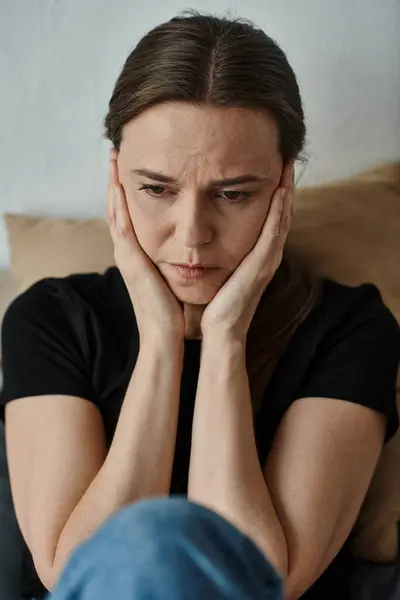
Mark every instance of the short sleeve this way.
pixel 43 345
pixel 359 359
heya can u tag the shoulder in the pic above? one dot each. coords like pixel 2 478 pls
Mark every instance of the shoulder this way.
pixel 64 312
pixel 352 344
pixel 344 298
pixel 359 310
pixel 56 296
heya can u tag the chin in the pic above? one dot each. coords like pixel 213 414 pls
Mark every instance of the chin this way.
pixel 193 291
pixel 194 294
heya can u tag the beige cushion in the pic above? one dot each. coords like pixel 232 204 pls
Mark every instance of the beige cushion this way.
pixel 7 291
pixel 350 231
pixel 53 247
pixel 347 230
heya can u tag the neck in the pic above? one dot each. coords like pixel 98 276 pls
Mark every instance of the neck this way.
pixel 193 314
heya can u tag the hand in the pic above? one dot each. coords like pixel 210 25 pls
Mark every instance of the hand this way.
pixel 234 305
pixel 157 310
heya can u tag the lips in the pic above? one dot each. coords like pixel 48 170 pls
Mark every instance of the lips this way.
pixel 194 266
pixel 193 271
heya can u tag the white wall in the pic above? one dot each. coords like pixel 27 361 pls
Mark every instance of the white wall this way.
pixel 59 60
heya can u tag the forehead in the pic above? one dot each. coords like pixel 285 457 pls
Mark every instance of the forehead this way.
pixel 178 133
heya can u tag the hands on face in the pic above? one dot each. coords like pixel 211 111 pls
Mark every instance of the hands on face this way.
pixel 157 310
pixel 234 305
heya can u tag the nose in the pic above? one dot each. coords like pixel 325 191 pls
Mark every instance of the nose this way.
pixel 193 221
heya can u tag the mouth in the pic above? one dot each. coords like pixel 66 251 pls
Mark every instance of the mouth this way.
pixel 194 271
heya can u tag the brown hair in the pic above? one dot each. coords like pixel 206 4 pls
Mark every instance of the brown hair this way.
pixel 227 63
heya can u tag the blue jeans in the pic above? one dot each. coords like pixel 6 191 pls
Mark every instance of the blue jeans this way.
pixel 167 549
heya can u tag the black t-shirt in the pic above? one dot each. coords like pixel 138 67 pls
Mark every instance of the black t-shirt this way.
pixel 78 336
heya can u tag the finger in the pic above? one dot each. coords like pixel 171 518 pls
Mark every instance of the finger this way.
pixel 267 253
pixel 271 228
pixel 124 230
pixel 287 175
pixel 117 206
pixel 122 226
pixel 263 260
pixel 122 217
pixel 289 184
pixel 259 264
pixel 286 216
pixel 280 222
pixel 114 176
pixel 286 181
pixel 115 203
pixel 110 208
pixel 113 153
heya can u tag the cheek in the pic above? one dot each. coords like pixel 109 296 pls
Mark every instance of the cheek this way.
pixel 244 233
pixel 147 226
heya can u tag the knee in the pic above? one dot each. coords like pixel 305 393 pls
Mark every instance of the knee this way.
pixel 159 530
pixel 149 525
pixel 181 541
pixel 155 520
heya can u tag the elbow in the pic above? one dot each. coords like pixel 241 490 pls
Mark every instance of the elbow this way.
pixel 293 579
pixel 48 567
pixel 49 571
pixel 279 563
pixel 46 573
pixel 292 593
pixel 276 553
pixel 296 584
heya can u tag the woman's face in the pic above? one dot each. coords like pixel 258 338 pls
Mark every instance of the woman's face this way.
pixel 194 218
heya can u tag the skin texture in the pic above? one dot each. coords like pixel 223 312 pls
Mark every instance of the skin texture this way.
pixel 189 221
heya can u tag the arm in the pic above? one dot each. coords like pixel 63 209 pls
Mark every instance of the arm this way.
pixel 319 436
pixel 296 515
pixel 225 472
pixel 64 484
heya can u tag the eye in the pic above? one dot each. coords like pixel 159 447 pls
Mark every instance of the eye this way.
pixel 240 199
pixel 153 190
pixel 157 191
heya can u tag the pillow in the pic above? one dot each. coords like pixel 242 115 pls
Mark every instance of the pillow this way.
pixel 54 247
pixel 7 291
pixel 350 231
pixel 347 230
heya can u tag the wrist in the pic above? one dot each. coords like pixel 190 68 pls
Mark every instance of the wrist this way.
pixel 223 338
pixel 167 344
pixel 222 345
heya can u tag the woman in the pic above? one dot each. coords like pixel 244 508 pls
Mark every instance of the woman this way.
pixel 206 363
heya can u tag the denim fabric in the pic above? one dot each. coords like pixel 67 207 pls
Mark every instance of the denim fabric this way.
pixel 167 549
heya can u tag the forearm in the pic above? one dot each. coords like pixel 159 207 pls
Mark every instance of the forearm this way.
pixel 139 462
pixel 225 473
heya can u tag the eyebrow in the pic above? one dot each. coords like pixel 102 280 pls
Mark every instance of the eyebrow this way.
pixel 216 183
